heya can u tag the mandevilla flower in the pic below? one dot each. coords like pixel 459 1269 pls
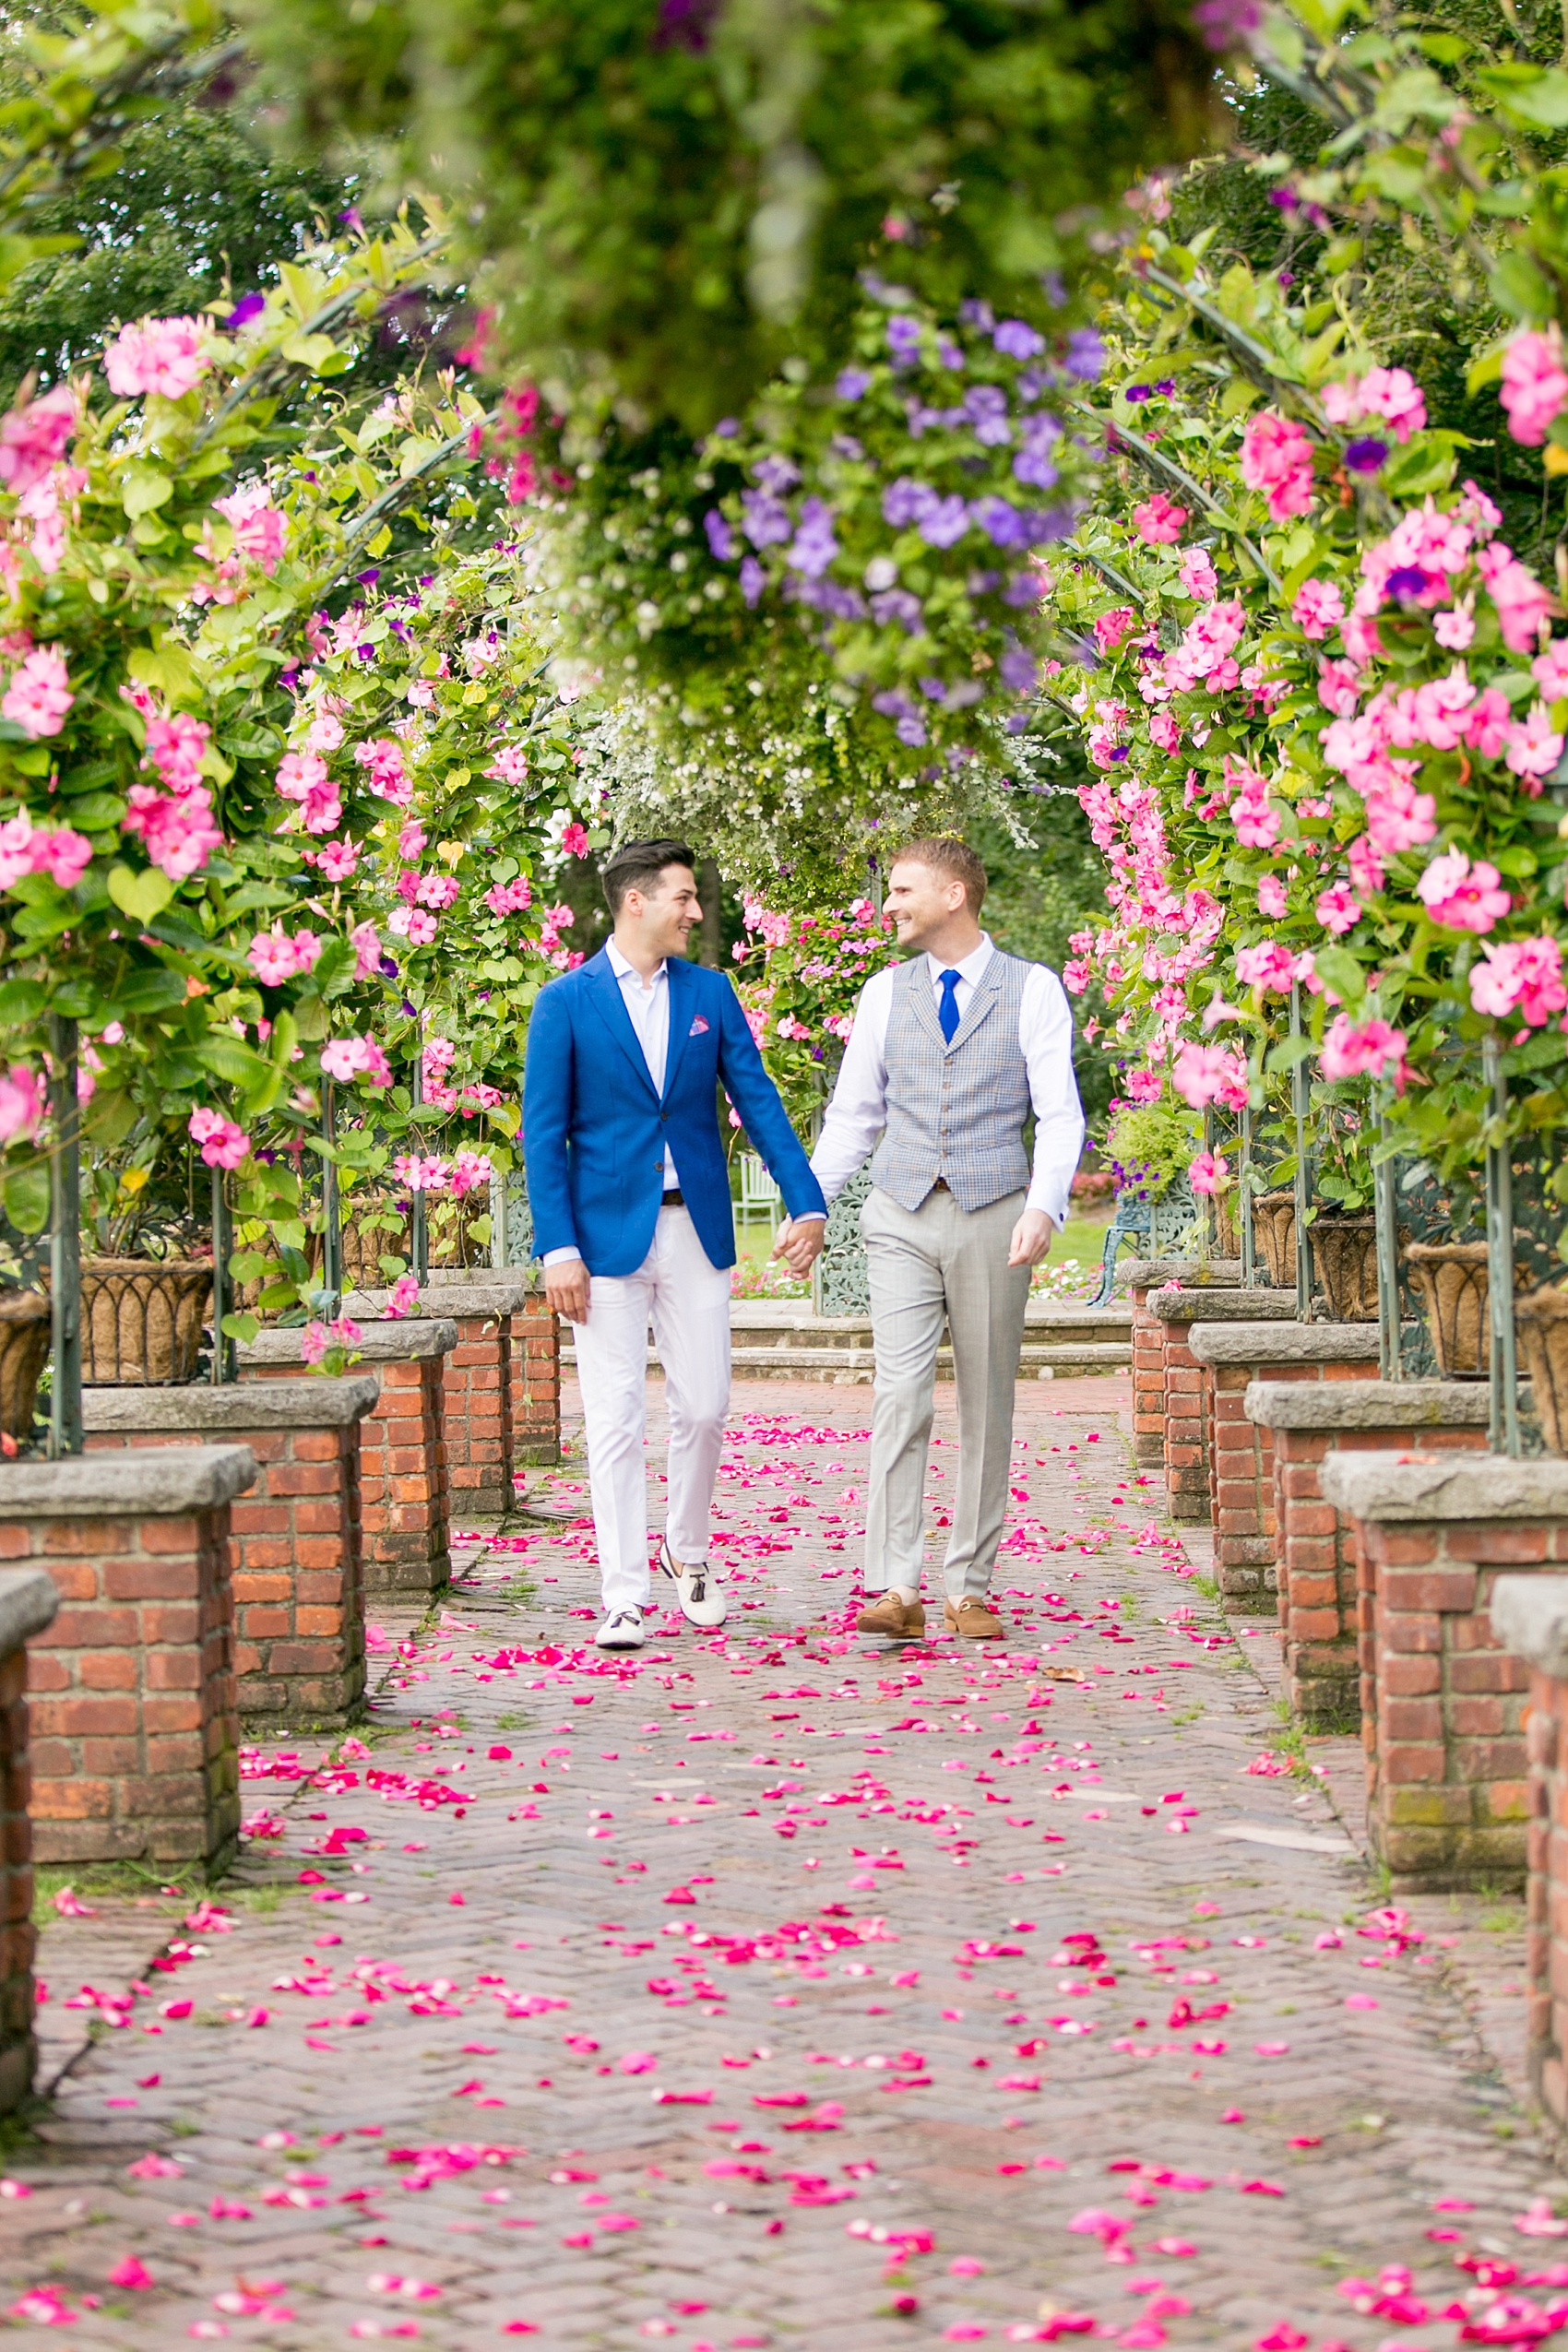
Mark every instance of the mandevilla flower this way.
pixel 1158 522
pixel 1206 1173
pixel 1534 386
pixel 1205 1074
pixel 1463 897
pixel 39 695
pixel 1375 1049
pixel 162 355
pixel 1521 978
pixel 1276 458
pixel 23 1103
pixel 223 1144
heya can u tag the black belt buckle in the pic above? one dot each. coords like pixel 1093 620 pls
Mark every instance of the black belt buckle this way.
pixel 673 1200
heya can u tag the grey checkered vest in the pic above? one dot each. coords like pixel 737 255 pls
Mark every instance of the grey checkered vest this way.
pixel 955 1111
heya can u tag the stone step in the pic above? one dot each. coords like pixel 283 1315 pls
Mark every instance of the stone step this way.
pixel 851 1366
pixel 1048 1324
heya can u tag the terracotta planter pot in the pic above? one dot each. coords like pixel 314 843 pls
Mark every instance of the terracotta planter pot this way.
pixel 24 1350
pixel 142 1321
pixel 1542 1321
pixel 1451 1279
pixel 1274 1223
pixel 1345 1260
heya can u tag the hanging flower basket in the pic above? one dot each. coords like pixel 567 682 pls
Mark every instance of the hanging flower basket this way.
pixel 1451 1279
pixel 1542 1323
pixel 1345 1259
pixel 1274 1223
pixel 1227 1226
pixel 24 1350
pixel 380 1228
pixel 142 1322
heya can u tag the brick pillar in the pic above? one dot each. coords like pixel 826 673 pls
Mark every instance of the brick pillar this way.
pixel 535 1382
pixel 1231 1357
pixel 1144 1275
pixel 1529 1615
pixel 1315 1558
pixel 405 1499
pixel 480 1381
pixel 27 1603
pixel 1442 1704
pixel 135 1737
pixel 1188 1407
pixel 299 1572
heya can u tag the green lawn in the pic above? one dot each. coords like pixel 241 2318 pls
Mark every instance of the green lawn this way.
pixel 1082 1238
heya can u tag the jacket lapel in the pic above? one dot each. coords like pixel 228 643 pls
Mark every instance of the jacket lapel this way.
pixel 920 988
pixel 681 993
pixel 986 989
pixel 604 995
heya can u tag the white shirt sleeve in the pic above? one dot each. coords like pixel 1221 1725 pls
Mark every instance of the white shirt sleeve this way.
pixel 1045 1034
pixel 858 1112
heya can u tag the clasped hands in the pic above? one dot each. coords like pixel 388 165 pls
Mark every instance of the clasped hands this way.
pixel 800 1241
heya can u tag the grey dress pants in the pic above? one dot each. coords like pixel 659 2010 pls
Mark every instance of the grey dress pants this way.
pixel 926 1266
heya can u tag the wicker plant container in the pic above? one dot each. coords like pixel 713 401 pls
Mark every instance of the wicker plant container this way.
pixel 24 1350
pixel 1542 1323
pixel 365 1244
pixel 1451 1278
pixel 1227 1226
pixel 142 1321
pixel 1345 1260
pixel 1274 1223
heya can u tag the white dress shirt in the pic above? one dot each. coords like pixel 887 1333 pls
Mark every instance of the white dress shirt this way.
pixel 647 1004
pixel 858 1112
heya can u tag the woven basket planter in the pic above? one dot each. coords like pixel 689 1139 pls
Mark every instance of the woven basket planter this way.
pixel 142 1321
pixel 1274 1223
pixel 1451 1279
pixel 1345 1259
pixel 1542 1321
pixel 24 1350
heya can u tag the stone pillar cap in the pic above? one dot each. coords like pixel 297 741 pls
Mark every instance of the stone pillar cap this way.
pixel 1222 1306
pixel 1221 1273
pixel 29 1599
pixel 478 1294
pixel 1529 1615
pixel 1444 1486
pixel 1365 1404
pixel 1284 1343
pixel 238 1405
pixel 155 1482
pixel 379 1343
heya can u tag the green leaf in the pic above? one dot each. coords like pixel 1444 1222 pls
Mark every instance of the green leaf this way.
pixel 152 990
pixel 1426 463
pixel 20 1000
pixel 140 896
pixel 1288 1052
pixel 1531 93
pixel 243 1327
pixel 229 1058
pixel 309 350
pixel 167 666
pixel 1519 288
pixel 1340 970
pixel 143 488
pixel 25 1197
pixel 96 811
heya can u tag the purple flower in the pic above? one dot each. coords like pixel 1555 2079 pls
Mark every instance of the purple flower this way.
pixel 1018 670
pixel 1018 723
pixel 893 703
pixel 944 521
pixel 814 546
pixel 898 604
pixel 248 307
pixel 911 731
pixel 905 501
pixel 1001 521
pixel 844 444
pixel 1016 342
pixel 934 689
pixel 975 313
pixel 767 519
pixel 827 595
pixel 1408 580
pixel 982 583
pixel 985 406
pixel 1366 457
pixel 720 538
pixel 904 341
pixel 1224 23
pixel 1138 392
pixel 727 428
pixel 1166 385
pixel 754 579
pixel 852 382
pixel 1033 463
pixel 1022 588
pixel 951 354
pixel 1085 355
pixel 776 475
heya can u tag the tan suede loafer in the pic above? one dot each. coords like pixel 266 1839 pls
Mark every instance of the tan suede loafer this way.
pixel 899 1620
pixel 972 1620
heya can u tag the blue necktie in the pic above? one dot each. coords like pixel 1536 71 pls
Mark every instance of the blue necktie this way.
pixel 947 1011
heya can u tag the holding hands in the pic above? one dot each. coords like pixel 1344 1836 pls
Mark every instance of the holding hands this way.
pixel 800 1241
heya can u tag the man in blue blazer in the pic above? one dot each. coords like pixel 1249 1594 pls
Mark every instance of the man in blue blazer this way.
pixel 630 1190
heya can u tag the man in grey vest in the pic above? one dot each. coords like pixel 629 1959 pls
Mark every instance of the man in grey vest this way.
pixel 950 1053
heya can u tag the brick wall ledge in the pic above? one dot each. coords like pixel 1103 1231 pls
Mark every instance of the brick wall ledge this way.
pixel 316 1403
pixel 1220 1274
pixel 1465 1486
pixel 166 1480
pixel 382 1343
pixel 29 1599
pixel 1223 1306
pixel 1284 1343
pixel 1365 1404
pixel 498 1295
pixel 1529 1615
pixel 457 1277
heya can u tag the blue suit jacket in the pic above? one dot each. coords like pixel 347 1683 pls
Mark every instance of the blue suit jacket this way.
pixel 594 1129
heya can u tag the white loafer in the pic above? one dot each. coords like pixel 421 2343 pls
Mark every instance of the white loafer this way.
pixel 702 1595
pixel 621 1629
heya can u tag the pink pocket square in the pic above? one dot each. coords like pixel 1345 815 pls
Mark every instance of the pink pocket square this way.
pixel 698 1028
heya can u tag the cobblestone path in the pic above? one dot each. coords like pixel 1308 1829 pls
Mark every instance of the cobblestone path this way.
pixel 782 1989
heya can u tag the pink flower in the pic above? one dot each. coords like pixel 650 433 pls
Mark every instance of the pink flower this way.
pixel 1319 607
pixel 1251 812
pixel 39 695
pixel 175 747
pixel 1522 603
pixel 1110 628
pixel 1366 867
pixel 575 842
pixel 404 1299
pixel 1205 1074
pixel 318 1338
pixel 511 766
pixel 1158 522
pixel 257 525
pixel 427 1175
pixel 347 1058
pixel 1549 670
pixel 413 924
pixel 33 435
pixel 1391 393
pixel 411 839
pixel 1374 1050
pixel 325 733
pixel 274 958
pixel 223 1144
pixel 384 759
pixel 1462 897
pixel 365 941
pixel 63 854
pixel 1337 689
pixel 23 1103
pixel 313 1343
pixel 1164 732
pixel 1456 630
pixel 1144 1085
pixel 1276 458
pixel 180 834
pixel 1268 966
pixel 1534 749
pixel 1533 384
pixel 1271 897
pixel 1398 817
pixel 1206 1173
pixel 1199 579
pixel 1338 910
pixel 162 355
pixel 470 1169
pixel 438 890
pixel 1521 978
pixel 299 773
pixel 337 860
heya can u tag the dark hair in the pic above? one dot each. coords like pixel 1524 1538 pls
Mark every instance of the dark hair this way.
pixel 950 859
pixel 637 865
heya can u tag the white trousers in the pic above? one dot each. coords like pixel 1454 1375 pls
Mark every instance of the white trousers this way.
pixel 686 1297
